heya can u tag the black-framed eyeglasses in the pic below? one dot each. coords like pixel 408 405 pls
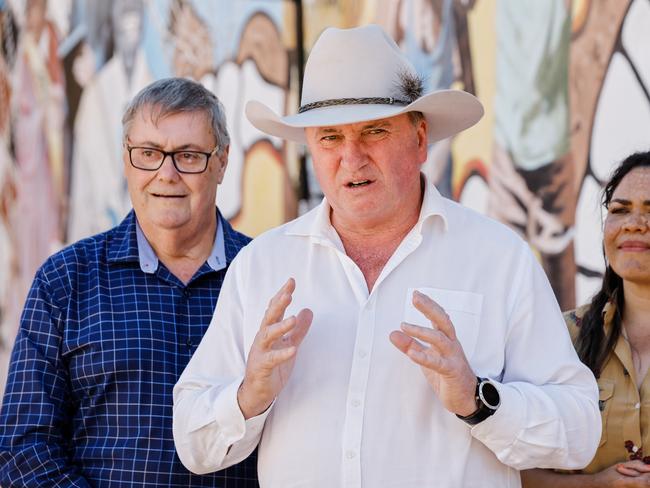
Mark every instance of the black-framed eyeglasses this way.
pixel 151 159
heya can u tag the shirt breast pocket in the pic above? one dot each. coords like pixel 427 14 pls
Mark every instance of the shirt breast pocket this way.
pixel 463 308
pixel 605 394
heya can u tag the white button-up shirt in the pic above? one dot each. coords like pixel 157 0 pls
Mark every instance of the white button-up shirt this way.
pixel 356 412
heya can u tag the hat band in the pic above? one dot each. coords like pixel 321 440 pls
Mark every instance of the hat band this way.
pixel 351 101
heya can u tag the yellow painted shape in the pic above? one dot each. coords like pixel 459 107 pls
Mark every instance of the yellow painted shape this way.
pixel 263 192
pixel 476 142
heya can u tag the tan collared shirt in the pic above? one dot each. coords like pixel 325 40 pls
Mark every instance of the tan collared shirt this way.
pixel 625 410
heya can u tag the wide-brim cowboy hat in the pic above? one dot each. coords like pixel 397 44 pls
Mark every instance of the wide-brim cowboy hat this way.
pixel 360 74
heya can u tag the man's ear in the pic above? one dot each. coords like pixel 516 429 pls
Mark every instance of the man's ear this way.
pixel 422 132
pixel 125 159
pixel 223 162
pixel 423 140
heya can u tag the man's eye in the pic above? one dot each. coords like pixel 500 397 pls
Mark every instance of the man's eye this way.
pixel 188 156
pixel 330 140
pixel 147 154
pixel 618 210
pixel 375 133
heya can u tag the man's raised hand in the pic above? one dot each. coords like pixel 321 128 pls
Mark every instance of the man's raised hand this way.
pixel 440 355
pixel 273 353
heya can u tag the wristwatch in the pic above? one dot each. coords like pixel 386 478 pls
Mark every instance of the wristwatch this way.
pixel 487 401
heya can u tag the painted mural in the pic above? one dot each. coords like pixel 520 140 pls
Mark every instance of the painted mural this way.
pixel 565 84
pixel 566 91
pixel 67 70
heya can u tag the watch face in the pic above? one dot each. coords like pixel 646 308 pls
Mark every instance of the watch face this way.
pixel 490 395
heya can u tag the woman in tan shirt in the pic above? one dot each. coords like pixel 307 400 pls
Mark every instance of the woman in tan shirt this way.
pixel 612 337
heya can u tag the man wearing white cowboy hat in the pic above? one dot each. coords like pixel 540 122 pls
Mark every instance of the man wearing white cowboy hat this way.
pixel 480 380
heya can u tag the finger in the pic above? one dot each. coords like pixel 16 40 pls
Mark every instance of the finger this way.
pixel 303 323
pixel 276 357
pixel 636 471
pixel 636 466
pixel 627 470
pixel 416 352
pixel 632 473
pixel 435 313
pixel 430 336
pixel 427 360
pixel 279 303
pixel 404 342
pixel 642 467
pixel 270 335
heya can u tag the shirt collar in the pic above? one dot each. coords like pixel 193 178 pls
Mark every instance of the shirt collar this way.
pixel 128 244
pixel 316 223
pixel 608 315
pixel 123 244
pixel 433 205
pixel 149 261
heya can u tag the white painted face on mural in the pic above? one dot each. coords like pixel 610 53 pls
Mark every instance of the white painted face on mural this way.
pixel 127 19
pixel 35 13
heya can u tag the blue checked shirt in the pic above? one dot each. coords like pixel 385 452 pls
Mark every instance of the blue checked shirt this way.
pixel 105 333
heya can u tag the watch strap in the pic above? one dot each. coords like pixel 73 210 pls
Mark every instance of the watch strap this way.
pixel 483 410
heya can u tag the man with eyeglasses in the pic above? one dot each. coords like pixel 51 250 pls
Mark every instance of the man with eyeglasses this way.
pixel 111 321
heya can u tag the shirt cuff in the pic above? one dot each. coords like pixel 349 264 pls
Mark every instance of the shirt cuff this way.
pixel 499 431
pixel 230 418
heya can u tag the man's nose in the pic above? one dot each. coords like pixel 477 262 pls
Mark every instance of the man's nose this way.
pixel 354 155
pixel 168 170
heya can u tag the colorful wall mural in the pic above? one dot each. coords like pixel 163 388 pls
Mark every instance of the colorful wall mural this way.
pixel 565 84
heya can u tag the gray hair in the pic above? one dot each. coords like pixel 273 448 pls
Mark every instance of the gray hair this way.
pixel 415 117
pixel 175 95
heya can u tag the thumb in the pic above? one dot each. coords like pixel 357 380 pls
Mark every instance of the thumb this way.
pixel 303 323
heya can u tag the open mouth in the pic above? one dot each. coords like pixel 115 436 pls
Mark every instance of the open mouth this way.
pixel 357 184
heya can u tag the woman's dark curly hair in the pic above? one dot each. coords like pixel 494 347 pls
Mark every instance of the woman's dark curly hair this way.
pixel 592 345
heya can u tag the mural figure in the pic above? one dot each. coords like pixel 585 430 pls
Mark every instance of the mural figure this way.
pixel 610 112
pixel 38 107
pixel 532 180
pixel 99 198
pixel 8 261
pixel 257 193
pixel 426 32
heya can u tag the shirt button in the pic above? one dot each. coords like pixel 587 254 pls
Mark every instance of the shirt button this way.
pixel 637 406
pixel 187 293
pixel 362 353
pixel 356 403
pixel 350 454
pixel 189 342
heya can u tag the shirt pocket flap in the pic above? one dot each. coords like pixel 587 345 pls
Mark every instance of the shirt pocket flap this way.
pixel 605 390
pixel 463 308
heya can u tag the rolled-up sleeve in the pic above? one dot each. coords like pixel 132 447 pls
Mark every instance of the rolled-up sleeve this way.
pixel 549 416
pixel 210 432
